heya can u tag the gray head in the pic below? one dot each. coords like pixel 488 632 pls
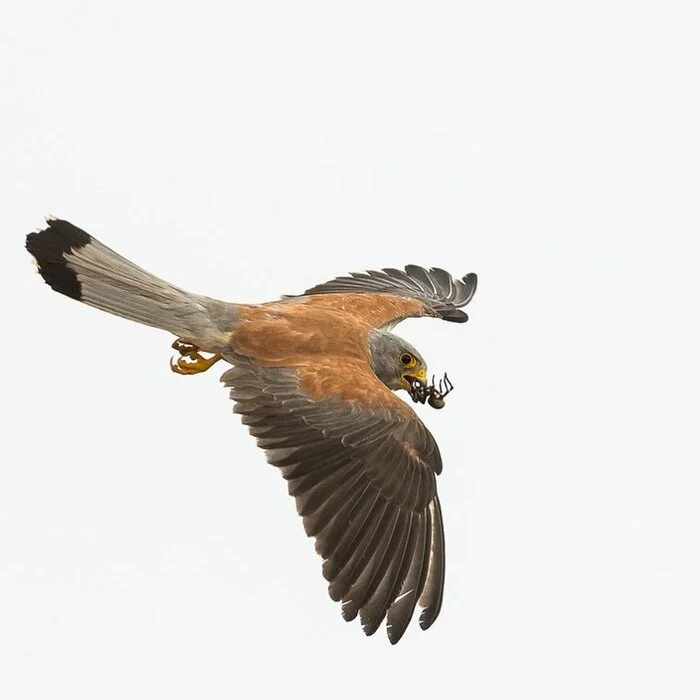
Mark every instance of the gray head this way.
pixel 397 363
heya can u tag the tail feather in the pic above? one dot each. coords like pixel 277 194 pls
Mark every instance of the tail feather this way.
pixel 74 263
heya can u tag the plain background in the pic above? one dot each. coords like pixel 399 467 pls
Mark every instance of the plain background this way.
pixel 250 149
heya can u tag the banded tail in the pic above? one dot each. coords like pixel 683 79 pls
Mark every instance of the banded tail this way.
pixel 74 263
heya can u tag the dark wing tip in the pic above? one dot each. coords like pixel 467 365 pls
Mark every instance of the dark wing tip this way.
pixel 434 584
pixel 48 247
pixel 470 281
pixel 454 315
pixel 442 292
pixel 393 638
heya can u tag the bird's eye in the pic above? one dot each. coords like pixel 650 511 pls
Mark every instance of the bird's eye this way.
pixel 407 360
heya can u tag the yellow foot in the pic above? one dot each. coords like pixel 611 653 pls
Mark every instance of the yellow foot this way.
pixel 190 361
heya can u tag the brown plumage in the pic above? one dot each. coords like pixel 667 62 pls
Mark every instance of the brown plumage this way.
pixel 325 339
pixel 313 377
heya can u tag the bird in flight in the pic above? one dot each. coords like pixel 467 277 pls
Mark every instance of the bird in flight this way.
pixel 313 377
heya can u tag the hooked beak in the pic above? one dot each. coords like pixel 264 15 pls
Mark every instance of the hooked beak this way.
pixel 414 379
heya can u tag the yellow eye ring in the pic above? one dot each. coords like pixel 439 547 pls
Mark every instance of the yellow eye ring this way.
pixel 407 360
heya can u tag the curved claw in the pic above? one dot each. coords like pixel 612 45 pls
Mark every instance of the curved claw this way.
pixel 190 362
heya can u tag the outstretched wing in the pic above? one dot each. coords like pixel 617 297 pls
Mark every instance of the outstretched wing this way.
pixel 363 477
pixel 441 294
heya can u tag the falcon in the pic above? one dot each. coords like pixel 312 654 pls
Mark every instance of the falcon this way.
pixel 313 378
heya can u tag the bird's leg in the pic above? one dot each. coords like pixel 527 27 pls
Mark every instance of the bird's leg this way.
pixel 190 361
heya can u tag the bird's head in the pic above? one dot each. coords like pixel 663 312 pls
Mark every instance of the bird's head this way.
pixel 397 363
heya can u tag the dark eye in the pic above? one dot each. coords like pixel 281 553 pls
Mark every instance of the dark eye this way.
pixel 406 359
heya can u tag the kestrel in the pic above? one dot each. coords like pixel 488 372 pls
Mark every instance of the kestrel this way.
pixel 313 377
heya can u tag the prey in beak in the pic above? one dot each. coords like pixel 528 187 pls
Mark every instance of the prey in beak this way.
pixel 418 377
pixel 420 391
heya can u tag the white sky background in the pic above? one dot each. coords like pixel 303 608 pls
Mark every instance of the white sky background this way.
pixel 246 150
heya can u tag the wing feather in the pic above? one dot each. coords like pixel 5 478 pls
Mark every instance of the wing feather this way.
pixel 401 610
pixel 386 590
pixel 329 536
pixel 374 568
pixel 373 529
pixel 431 596
pixel 363 477
pixel 351 539
pixel 441 294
